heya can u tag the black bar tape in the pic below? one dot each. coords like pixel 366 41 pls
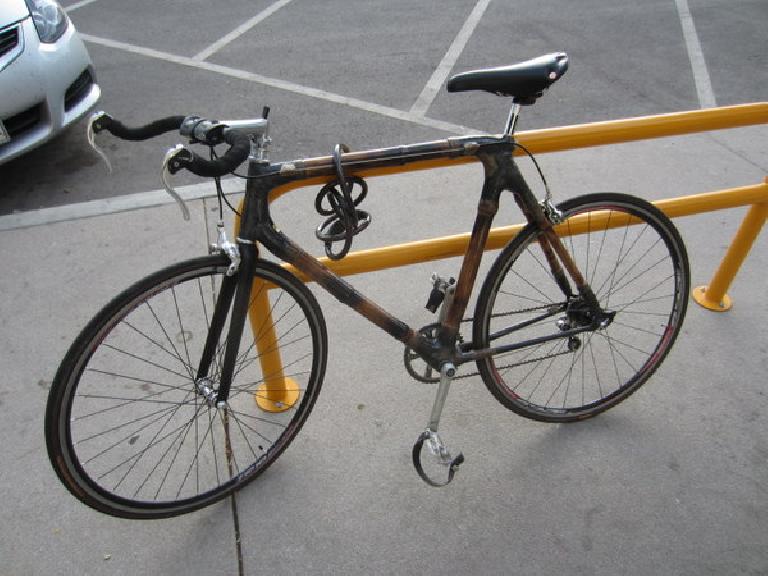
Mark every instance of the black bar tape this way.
pixel 240 148
pixel 239 144
pixel 117 128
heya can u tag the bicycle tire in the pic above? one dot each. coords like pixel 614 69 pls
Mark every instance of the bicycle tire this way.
pixel 127 430
pixel 639 271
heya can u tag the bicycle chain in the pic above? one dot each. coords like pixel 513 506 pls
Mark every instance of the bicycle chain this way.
pixel 409 356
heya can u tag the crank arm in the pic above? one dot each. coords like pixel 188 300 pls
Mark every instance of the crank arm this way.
pixel 440 454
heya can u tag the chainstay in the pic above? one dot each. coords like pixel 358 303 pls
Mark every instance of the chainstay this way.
pixel 508 366
pixel 521 311
pixel 514 365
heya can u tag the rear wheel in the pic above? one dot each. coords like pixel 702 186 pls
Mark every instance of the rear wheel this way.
pixel 635 262
pixel 128 428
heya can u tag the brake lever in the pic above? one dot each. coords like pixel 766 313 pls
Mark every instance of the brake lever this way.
pixel 91 134
pixel 171 165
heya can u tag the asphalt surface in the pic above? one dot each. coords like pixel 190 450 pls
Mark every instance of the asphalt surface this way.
pixel 673 481
pixel 627 59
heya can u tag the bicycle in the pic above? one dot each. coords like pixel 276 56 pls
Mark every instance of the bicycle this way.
pixel 161 406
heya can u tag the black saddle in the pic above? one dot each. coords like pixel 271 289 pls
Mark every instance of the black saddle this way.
pixel 524 82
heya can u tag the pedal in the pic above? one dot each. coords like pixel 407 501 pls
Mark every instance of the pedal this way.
pixel 440 287
pixel 440 457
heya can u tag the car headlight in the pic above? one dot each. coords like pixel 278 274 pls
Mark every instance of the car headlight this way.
pixel 50 20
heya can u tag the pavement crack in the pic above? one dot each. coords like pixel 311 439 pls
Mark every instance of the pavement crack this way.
pixel 738 153
pixel 238 540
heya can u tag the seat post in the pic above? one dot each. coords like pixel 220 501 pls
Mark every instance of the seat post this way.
pixel 514 114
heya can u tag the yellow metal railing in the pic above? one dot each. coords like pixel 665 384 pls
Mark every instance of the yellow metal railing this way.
pixel 589 135
pixel 278 393
pixel 713 296
pixel 376 259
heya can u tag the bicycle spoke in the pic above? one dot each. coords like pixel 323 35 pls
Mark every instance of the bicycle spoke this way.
pixel 251 385
pixel 195 460
pixel 182 332
pixel 591 278
pixel 182 432
pixel 146 361
pixel 259 419
pixel 262 330
pixel 176 354
pixel 133 378
pixel 639 274
pixel 626 345
pixel 151 442
pixel 126 438
pixel 130 400
pixel 551 358
pixel 545 300
pixel 648 291
pixel 228 451
pixel 213 449
pixel 127 401
pixel 137 454
pixel 159 346
pixel 178 451
pixel 620 259
pixel 272 349
pixel 123 425
pixel 263 333
pixel 245 437
pixel 259 434
pixel 633 265
pixel 638 329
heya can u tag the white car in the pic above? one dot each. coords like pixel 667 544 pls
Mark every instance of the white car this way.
pixel 47 80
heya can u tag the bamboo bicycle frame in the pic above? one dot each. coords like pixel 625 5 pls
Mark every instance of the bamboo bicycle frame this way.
pixel 501 173
pixel 278 393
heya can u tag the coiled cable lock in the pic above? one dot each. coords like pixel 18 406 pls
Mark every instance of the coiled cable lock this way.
pixel 344 220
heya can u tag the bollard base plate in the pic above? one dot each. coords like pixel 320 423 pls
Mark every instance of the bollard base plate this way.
pixel 277 396
pixel 700 296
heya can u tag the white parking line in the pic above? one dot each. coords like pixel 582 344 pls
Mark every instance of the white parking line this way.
pixel 77 5
pixel 205 190
pixel 428 94
pixel 282 85
pixel 240 30
pixel 114 205
pixel 696 56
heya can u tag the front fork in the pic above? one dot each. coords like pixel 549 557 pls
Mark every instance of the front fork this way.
pixel 237 284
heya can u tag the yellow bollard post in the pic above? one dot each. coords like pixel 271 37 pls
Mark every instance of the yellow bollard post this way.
pixel 714 297
pixel 277 393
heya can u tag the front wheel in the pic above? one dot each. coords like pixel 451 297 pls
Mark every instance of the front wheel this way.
pixel 129 427
pixel 633 258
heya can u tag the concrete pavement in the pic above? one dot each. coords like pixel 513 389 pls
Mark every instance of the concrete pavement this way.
pixel 673 481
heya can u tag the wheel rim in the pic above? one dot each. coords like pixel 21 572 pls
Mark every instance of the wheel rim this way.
pixel 138 433
pixel 635 271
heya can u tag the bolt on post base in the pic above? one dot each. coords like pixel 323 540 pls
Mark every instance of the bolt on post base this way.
pixel 713 297
pixel 700 296
pixel 277 395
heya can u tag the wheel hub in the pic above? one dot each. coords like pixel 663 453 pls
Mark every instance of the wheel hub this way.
pixel 206 388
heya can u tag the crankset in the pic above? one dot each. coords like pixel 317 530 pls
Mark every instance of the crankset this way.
pixel 415 364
